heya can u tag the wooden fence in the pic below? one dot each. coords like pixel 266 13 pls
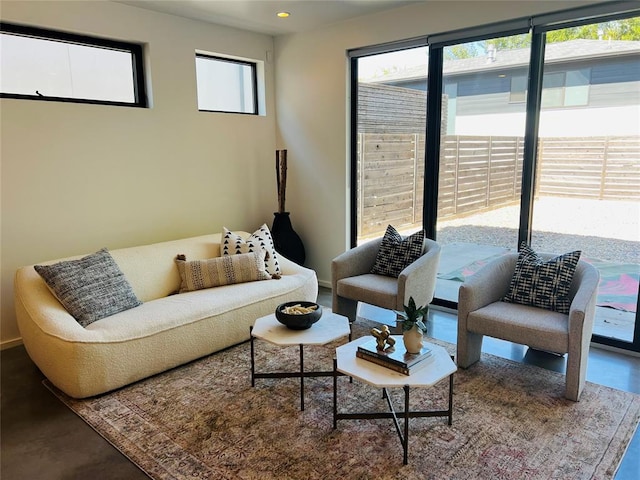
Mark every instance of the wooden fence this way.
pixel 479 173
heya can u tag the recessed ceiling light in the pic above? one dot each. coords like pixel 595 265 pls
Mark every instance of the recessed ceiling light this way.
pixel 283 14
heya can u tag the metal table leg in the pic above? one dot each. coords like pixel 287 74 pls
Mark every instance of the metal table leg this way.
pixel 253 364
pixel 301 373
pixel 301 377
pixel 403 434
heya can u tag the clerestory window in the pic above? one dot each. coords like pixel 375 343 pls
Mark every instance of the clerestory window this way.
pixel 48 65
pixel 226 85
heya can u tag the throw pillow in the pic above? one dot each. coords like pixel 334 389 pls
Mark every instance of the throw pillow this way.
pixel 226 270
pixel 233 244
pixel 540 283
pixel 396 253
pixel 90 288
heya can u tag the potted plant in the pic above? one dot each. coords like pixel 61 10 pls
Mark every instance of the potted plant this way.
pixel 413 325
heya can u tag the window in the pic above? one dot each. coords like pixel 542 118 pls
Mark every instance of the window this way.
pixel 226 85
pixel 552 90
pixel 560 89
pixel 47 65
pixel 391 125
pixel 566 89
pixel 518 92
pixel 577 87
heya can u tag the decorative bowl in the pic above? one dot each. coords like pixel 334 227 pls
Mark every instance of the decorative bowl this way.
pixel 298 321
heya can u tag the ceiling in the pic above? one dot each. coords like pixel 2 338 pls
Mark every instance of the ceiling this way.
pixel 260 15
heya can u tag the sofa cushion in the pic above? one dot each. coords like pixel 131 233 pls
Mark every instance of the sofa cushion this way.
pixel 261 239
pixel 90 288
pixel 226 270
pixel 543 284
pixel 396 253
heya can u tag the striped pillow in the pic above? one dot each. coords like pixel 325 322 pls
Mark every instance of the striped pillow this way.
pixel 225 270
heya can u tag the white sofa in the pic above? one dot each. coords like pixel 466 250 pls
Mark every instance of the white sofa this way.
pixel 167 330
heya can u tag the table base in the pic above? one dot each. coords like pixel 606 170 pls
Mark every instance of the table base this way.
pixel 301 374
pixel 403 433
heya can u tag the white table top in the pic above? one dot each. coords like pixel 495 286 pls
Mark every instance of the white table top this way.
pixel 330 327
pixel 435 368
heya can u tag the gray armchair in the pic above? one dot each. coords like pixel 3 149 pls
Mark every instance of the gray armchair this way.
pixel 480 312
pixel 351 281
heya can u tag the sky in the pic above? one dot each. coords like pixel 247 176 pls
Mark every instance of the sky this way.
pixel 369 67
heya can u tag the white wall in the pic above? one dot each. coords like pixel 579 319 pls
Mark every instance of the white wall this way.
pixel 79 177
pixel 570 122
pixel 312 103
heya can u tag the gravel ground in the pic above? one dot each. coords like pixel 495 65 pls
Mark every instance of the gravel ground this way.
pixel 605 230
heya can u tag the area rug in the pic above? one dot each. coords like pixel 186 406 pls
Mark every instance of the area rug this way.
pixel 510 421
pixel 618 288
pixel 461 274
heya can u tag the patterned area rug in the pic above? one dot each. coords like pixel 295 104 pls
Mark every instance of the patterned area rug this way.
pixel 510 421
pixel 618 286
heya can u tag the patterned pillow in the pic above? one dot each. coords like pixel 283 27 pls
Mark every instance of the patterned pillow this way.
pixel 397 253
pixel 226 270
pixel 261 239
pixel 542 284
pixel 90 288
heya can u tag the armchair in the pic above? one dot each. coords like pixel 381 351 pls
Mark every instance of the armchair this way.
pixel 481 312
pixel 352 282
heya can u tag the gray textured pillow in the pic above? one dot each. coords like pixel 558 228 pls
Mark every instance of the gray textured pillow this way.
pixel 90 288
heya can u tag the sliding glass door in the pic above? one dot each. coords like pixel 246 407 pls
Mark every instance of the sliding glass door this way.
pixel 450 139
pixel 390 139
pixel 481 147
pixel 587 187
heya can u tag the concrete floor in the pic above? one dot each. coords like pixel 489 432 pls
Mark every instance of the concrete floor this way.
pixel 43 439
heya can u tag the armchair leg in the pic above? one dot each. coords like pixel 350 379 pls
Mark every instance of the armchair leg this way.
pixel 346 307
pixel 575 378
pixel 469 348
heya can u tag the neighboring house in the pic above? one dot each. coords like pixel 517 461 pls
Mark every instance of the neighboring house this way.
pixel 591 87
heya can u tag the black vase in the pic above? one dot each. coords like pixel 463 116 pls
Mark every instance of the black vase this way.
pixel 285 239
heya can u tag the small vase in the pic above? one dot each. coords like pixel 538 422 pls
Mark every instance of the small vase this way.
pixel 285 240
pixel 413 340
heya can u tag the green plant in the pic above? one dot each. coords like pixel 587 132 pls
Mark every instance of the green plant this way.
pixel 413 316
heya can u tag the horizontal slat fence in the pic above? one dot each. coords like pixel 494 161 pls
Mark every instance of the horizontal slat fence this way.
pixel 390 186
pixel 477 173
pixel 480 173
pixel 605 168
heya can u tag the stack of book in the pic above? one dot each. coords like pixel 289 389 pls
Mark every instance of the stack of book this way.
pixel 396 358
